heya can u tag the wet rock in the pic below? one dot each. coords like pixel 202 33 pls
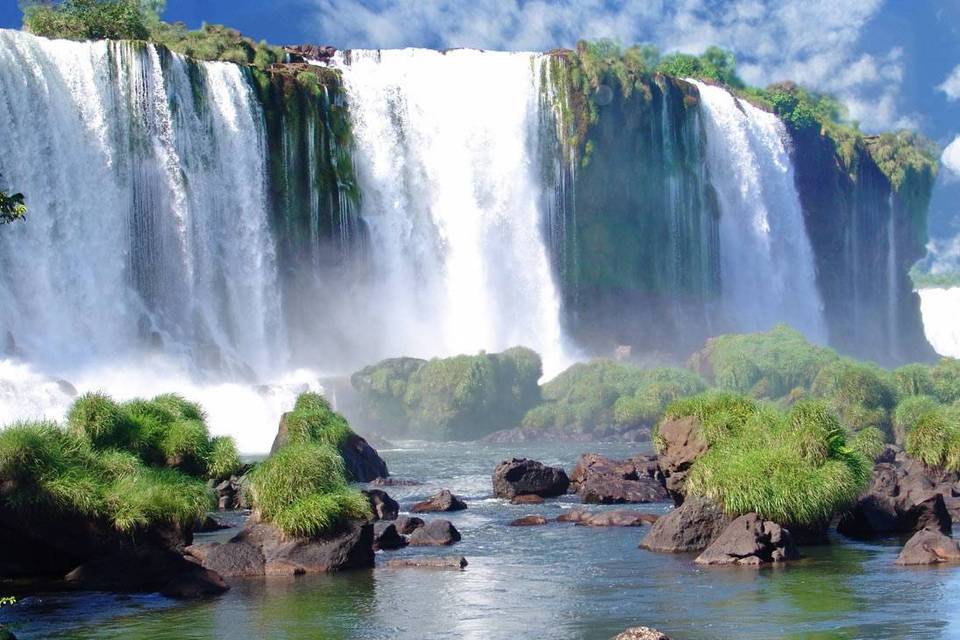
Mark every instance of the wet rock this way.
pixel 210 524
pixel 690 527
pixel 408 524
pixel 521 476
pixel 903 496
pixel 528 521
pixel 641 633
pixel 361 461
pixel 526 499
pixel 394 482
pixel 750 541
pixel 386 536
pixel 682 444
pixel 429 562
pixel 383 506
pixel 600 480
pixel 442 501
pixel 929 546
pixel 618 518
pixel 262 549
pixel 437 533
pixel 573 515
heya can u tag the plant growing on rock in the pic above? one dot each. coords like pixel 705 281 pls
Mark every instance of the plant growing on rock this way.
pixel 861 394
pixel 313 420
pixel 934 438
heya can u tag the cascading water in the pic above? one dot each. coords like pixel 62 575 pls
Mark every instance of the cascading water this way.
pixel 766 262
pixel 446 148
pixel 940 308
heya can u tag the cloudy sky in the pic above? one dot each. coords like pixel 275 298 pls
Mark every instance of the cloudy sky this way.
pixel 895 63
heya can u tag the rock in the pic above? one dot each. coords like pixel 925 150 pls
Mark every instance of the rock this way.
pixel 383 506
pixel 600 480
pixel 443 501
pixel 573 515
pixel 641 633
pixel 521 476
pixel 929 546
pixel 303 52
pixel 428 562
pixel 526 499
pixel 361 461
pixel 408 524
pixel 903 496
pixel 690 527
pixel 394 482
pixel 618 518
pixel 437 533
pixel 528 521
pixel 386 536
pixel 750 541
pixel 210 524
pixel 262 549
pixel 147 569
pixel 682 444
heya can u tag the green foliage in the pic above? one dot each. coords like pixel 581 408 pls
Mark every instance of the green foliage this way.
pixel 945 376
pixel 862 394
pixel 91 19
pixel 214 42
pixel 54 468
pixel 908 413
pixel 302 490
pixel 764 365
pixel 12 207
pixel 935 438
pixel 604 393
pixel 923 279
pixel 458 398
pixel 913 380
pixel 313 420
pixel 795 468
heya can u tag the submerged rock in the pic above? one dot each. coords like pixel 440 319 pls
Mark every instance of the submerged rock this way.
pixel 690 527
pixel 750 541
pixel 528 521
pixel 436 533
pixel 600 480
pixel 929 546
pixel 262 549
pixel 429 562
pixel 442 501
pixel 573 515
pixel 526 499
pixel 147 569
pixel 521 476
pixel 386 536
pixel 681 445
pixel 408 524
pixel 383 506
pixel 618 518
pixel 641 633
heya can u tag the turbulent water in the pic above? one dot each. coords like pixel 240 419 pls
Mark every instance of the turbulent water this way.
pixel 447 161
pixel 766 262
pixel 941 310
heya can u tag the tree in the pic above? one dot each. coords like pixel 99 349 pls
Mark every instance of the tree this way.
pixel 92 19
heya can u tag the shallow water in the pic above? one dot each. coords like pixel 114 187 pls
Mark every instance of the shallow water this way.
pixel 554 581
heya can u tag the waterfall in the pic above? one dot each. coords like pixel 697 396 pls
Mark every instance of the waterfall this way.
pixel 893 298
pixel 446 152
pixel 940 308
pixel 766 260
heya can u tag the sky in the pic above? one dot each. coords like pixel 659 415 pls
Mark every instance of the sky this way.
pixel 894 63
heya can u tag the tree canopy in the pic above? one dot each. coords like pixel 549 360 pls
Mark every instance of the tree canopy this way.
pixel 92 19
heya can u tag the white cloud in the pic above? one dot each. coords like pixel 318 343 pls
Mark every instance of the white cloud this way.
pixel 951 86
pixel 813 42
pixel 951 156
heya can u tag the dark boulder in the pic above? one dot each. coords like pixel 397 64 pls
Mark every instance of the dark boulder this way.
pixel 903 496
pixel 147 569
pixel 750 541
pixel 436 533
pixel 681 444
pixel 428 562
pixel 383 506
pixel 386 536
pixel 210 524
pixel 442 501
pixel 528 521
pixel 231 493
pixel 361 461
pixel 408 524
pixel 600 480
pixel 262 549
pixel 641 633
pixel 618 518
pixel 521 476
pixel 690 527
pixel 929 546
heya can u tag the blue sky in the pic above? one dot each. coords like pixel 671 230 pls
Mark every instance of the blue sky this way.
pixel 893 62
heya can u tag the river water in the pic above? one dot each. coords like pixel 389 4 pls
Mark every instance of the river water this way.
pixel 555 581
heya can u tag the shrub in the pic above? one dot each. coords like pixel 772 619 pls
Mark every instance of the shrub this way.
pixel 98 418
pixel 224 459
pixel 861 394
pixel 91 19
pixel 935 438
pixel 313 420
pixel 908 412
pixel 945 376
pixel 720 414
pixel 913 380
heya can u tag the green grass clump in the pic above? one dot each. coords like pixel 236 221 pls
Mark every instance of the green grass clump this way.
pixel 302 489
pixel 861 394
pixel 945 376
pixel 908 412
pixel 102 421
pixel 313 420
pixel 719 414
pixel 913 380
pixel 935 438
pixel 795 468
pixel 224 460
pixel 56 469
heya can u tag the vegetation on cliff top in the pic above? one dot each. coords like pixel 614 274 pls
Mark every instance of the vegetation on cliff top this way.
pixel 795 467
pixel 12 207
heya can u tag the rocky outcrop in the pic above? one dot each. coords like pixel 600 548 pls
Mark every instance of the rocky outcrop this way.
pixel 681 444
pixel 439 502
pixel 750 541
pixel 262 549
pixel 929 546
pixel 573 515
pixel 408 524
pixel 690 527
pixel 382 505
pixel 429 562
pixel 146 569
pixel 618 518
pixel 231 493
pixel 386 536
pixel 903 496
pixel 600 480
pixel 436 533
pixel 361 461
pixel 528 521
pixel 641 633
pixel 521 476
